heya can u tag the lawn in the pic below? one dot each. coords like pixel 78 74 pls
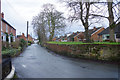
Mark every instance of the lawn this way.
pixel 112 43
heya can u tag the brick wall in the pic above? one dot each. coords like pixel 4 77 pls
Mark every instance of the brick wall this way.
pixel 88 51
pixel 3 27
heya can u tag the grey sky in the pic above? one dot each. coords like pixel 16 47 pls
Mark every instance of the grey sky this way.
pixel 18 12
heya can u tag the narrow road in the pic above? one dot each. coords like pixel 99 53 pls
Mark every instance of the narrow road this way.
pixel 38 62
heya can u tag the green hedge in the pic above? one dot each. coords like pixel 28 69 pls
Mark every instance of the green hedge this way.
pixel 11 52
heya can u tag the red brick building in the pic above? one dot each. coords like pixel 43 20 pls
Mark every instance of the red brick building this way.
pixel 30 38
pixel 21 36
pixel 8 32
pixel 80 36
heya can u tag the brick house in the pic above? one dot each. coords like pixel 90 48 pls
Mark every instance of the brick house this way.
pixel 30 38
pixel 72 36
pixel 21 36
pixel 8 32
pixel 104 35
pixel 94 33
pixel 80 36
pixel 54 39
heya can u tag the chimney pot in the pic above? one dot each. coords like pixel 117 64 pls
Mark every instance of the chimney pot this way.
pixel 2 15
pixel 23 34
pixel 94 28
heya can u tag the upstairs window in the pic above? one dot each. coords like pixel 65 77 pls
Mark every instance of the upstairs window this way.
pixel 6 28
pixel 1 26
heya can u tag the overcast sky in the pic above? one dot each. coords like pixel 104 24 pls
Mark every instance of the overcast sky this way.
pixel 18 12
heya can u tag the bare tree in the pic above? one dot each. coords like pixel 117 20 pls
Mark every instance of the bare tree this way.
pixel 39 26
pixel 112 16
pixel 80 11
pixel 48 21
pixel 55 19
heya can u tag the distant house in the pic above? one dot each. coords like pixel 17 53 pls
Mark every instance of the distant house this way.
pixel 8 32
pixel 30 38
pixel 80 36
pixel 25 38
pixel 71 37
pixel 21 37
pixel 54 39
pixel 94 33
pixel 104 35
pixel 60 39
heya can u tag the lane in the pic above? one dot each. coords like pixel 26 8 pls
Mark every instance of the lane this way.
pixel 38 62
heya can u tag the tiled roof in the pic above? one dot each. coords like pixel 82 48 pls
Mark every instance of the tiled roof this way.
pixel 106 31
pixel 74 34
pixel 91 31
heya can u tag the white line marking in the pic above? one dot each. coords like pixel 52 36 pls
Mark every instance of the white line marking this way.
pixel 24 66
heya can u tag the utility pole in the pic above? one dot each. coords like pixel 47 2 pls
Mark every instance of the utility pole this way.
pixel 27 31
pixel 0 46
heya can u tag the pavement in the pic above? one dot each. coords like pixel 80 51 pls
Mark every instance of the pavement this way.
pixel 38 62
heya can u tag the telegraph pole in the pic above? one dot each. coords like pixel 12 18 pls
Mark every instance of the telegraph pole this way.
pixel 27 31
pixel 0 46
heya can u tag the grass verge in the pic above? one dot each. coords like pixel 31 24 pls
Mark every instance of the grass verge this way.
pixel 70 43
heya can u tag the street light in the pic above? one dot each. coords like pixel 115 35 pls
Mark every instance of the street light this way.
pixel 27 32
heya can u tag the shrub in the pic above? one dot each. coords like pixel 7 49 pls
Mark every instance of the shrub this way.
pixel 22 43
pixel 9 52
pixel 15 44
pixel 5 45
pixel 29 44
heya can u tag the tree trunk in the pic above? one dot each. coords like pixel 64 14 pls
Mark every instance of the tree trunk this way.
pixel 112 36
pixel 52 33
pixel 111 22
pixel 87 36
pixel 53 28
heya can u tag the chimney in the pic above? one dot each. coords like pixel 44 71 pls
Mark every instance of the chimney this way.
pixel 2 15
pixel 73 33
pixel 94 28
pixel 23 34
pixel 77 32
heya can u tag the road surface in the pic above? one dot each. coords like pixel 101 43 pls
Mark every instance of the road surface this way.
pixel 38 62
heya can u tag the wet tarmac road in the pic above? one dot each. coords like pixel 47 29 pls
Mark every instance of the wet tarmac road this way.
pixel 38 62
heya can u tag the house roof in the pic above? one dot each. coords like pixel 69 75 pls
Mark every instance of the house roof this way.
pixel 7 23
pixel 91 31
pixel 73 34
pixel 106 31
pixel 19 35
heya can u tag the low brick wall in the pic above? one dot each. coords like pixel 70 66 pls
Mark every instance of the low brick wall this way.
pixel 88 51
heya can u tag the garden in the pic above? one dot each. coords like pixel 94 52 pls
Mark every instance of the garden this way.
pixel 14 48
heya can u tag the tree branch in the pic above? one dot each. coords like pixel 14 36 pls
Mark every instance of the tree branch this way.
pixel 96 15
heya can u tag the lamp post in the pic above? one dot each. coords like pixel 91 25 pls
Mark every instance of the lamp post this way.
pixel 27 32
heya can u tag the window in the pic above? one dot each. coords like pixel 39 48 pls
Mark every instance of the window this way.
pixel 107 37
pixel 6 28
pixel 1 26
pixel 2 38
pixel 118 35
